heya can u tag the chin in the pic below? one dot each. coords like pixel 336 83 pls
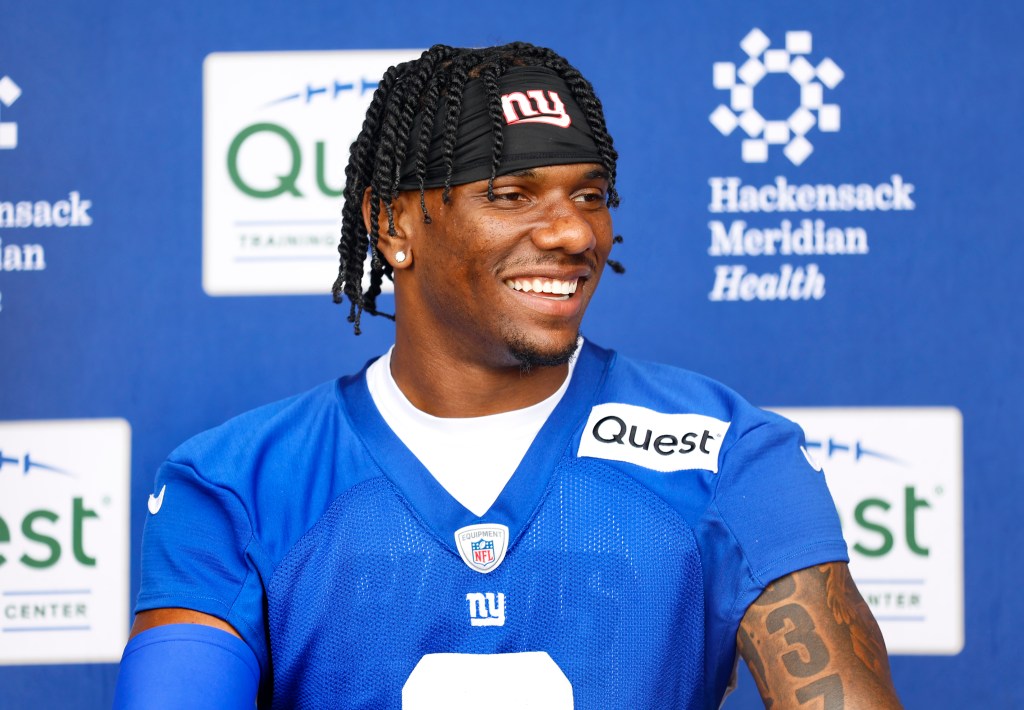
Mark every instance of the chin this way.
pixel 530 355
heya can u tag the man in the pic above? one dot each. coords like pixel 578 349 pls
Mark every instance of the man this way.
pixel 495 514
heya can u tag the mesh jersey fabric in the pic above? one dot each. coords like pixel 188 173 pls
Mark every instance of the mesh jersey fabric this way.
pixel 310 528
pixel 614 606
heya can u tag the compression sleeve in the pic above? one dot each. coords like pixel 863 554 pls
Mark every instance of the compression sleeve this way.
pixel 187 666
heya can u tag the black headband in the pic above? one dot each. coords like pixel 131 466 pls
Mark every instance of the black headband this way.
pixel 541 125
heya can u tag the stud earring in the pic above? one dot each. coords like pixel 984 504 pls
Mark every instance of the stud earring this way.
pixel 399 256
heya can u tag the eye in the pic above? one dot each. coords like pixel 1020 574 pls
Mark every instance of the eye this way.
pixel 508 195
pixel 590 197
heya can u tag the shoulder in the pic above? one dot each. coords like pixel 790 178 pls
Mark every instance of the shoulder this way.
pixel 262 457
pixel 668 420
pixel 669 389
pixel 272 470
pixel 272 430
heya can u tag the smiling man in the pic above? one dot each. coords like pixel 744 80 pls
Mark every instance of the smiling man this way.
pixel 495 513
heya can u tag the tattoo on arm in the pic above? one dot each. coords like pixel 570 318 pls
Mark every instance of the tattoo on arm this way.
pixel 810 641
pixel 829 689
pixel 749 651
pixel 801 637
pixel 847 605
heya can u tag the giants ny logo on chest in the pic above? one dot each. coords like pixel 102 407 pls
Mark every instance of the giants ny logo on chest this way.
pixel 655 440
pixel 486 609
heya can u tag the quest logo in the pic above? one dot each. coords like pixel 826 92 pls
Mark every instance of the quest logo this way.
pixel 896 475
pixel 64 536
pixel 654 440
pixel 277 127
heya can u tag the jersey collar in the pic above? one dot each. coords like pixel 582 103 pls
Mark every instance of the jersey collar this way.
pixel 521 497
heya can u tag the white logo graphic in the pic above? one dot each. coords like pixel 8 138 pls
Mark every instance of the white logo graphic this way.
pixel 9 93
pixel 64 536
pixel 277 127
pixel 519 108
pixel 156 501
pixel 482 546
pixel 654 440
pixel 791 131
pixel 486 609
pixel 896 475
pixel 810 459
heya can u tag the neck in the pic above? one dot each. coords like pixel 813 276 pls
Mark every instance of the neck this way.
pixel 439 384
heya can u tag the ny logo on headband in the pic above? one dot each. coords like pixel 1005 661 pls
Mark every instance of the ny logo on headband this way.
pixel 535 107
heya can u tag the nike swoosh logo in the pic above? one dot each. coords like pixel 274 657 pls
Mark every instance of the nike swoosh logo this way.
pixel 810 459
pixel 156 501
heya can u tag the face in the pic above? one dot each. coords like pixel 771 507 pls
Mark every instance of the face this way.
pixel 505 282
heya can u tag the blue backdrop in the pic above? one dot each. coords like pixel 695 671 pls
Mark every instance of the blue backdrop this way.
pixel 118 323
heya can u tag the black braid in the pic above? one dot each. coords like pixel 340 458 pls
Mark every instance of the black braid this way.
pixel 417 88
pixel 456 86
pixel 431 101
pixel 490 79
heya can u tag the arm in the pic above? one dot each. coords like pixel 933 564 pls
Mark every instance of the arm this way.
pixel 145 620
pixel 810 641
pixel 177 658
pixel 193 556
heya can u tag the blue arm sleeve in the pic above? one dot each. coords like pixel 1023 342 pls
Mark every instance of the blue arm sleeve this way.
pixel 187 666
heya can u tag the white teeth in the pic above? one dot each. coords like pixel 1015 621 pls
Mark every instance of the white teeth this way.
pixel 536 285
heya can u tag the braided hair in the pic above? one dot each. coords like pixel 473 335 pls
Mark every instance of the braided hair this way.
pixel 376 158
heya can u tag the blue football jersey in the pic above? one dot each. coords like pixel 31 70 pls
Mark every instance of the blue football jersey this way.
pixel 611 572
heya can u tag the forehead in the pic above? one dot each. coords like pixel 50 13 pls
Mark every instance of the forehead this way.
pixel 586 171
pixel 557 178
pixel 567 176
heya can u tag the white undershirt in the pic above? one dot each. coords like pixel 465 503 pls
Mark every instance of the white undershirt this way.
pixel 472 458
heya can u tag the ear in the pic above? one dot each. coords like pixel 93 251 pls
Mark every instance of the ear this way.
pixel 401 241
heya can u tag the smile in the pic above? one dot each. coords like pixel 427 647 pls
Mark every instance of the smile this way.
pixel 559 290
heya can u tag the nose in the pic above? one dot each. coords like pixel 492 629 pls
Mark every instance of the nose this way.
pixel 564 227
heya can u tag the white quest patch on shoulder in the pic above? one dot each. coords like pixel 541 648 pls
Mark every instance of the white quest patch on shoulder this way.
pixel 655 440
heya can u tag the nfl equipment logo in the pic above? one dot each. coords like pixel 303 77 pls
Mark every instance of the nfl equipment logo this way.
pixel 483 552
pixel 482 547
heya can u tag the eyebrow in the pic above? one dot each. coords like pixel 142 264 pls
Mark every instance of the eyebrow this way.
pixel 597 174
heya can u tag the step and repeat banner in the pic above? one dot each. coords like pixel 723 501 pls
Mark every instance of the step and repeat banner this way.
pixel 819 209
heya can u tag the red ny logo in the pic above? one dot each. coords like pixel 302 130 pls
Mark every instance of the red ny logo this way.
pixel 534 107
